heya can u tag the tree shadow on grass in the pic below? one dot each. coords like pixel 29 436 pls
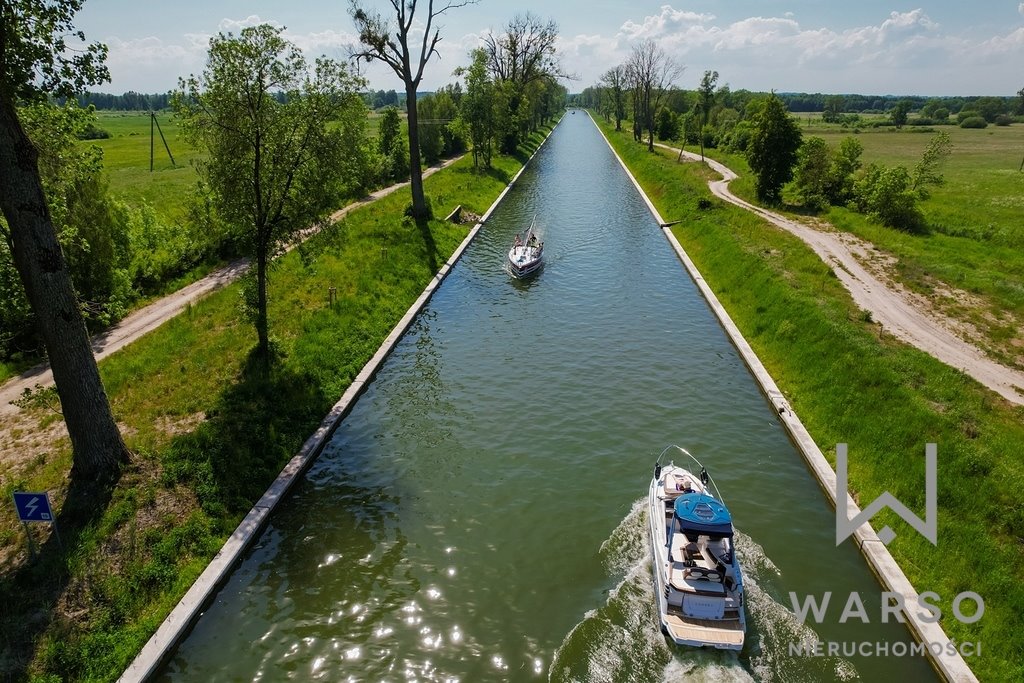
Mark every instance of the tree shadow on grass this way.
pixel 429 245
pixel 257 425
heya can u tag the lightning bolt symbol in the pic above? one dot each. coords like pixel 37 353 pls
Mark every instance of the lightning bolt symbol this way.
pixel 31 506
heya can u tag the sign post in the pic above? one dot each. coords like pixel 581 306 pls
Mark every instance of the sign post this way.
pixel 35 507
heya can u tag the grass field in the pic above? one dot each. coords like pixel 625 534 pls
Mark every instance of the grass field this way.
pixel 205 424
pixel 126 161
pixel 975 237
pixel 852 383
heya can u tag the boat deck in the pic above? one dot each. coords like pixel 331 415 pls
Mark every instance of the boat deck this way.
pixel 726 634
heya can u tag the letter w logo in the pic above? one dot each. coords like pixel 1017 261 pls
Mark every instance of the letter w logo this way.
pixel 846 526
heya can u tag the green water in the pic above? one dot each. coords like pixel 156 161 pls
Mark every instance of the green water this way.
pixel 478 515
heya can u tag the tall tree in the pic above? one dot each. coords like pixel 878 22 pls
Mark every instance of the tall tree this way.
pixel 899 113
pixel 706 100
pixel 523 56
pixel 37 61
pixel 653 71
pixel 407 56
pixel 390 144
pixel 477 108
pixel 614 80
pixel 772 150
pixel 273 166
pixel 834 105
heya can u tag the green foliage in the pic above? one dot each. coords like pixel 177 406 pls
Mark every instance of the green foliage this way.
pixel 772 150
pixel 667 124
pixel 974 122
pixel 91 226
pixel 899 113
pixel 887 194
pixel 477 109
pixel 438 139
pixel 812 170
pixel 41 54
pixel 392 146
pixel 926 172
pixel 834 106
pixel 274 166
pixel 968 114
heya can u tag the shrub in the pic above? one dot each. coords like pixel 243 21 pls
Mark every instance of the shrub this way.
pixel 1003 120
pixel 967 114
pixel 886 194
pixel 974 122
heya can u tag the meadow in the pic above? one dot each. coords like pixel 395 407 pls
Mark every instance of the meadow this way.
pixel 126 155
pixel 974 239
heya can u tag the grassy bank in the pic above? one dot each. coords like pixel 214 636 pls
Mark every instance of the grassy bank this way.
pixel 851 383
pixel 210 431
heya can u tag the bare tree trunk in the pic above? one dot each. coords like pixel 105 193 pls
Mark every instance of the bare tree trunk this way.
pixel 95 439
pixel 419 204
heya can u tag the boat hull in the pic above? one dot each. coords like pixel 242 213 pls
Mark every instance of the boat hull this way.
pixel 523 261
pixel 700 615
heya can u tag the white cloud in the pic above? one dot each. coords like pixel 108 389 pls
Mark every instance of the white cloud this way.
pixel 236 25
pixel 906 52
pixel 1020 8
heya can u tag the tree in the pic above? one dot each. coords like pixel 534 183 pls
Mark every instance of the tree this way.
pixel 926 172
pixel 705 100
pixel 772 150
pixel 37 61
pixel 811 176
pixel 845 162
pixel 1020 101
pixel 899 113
pixel 885 193
pixel 273 166
pixel 522 56
pixel 477 108
pixel 652 71
pixel 834 105
pixel 390 144
pixel 614 80
pixel 407 60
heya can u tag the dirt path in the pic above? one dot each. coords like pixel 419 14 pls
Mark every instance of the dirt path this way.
pixel 900 312
pixel 157 313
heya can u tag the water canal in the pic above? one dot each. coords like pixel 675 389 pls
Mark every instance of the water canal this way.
pixel 477 516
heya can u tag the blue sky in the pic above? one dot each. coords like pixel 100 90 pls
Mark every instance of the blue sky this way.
pixel 926 47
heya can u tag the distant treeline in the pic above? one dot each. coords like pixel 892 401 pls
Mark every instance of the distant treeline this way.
pixel 137 101
pixel 129 101
pixel 883 103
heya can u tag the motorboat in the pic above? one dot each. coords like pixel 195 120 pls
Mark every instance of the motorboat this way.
pixel 527 253
pixel 698 583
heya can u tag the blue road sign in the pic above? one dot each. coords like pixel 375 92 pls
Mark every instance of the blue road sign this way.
pixel 33 507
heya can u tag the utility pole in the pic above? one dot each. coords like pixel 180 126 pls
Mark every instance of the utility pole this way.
pixel 152 122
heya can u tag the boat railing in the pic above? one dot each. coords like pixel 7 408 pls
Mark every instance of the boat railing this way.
pixel 703 470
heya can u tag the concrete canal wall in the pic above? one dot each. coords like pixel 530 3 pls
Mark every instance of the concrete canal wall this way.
pixel 952 667
pixel 190 607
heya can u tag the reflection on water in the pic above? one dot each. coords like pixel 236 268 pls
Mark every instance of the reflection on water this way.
pixel 475 517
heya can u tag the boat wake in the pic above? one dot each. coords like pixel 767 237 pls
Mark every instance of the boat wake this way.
pixel 621 640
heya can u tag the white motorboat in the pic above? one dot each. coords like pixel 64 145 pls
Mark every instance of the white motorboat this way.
pixel 527 253
pixel 698 583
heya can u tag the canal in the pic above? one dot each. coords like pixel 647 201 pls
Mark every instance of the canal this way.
pixel 478 517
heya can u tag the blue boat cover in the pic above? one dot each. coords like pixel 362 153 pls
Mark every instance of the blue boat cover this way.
pixel 699 513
